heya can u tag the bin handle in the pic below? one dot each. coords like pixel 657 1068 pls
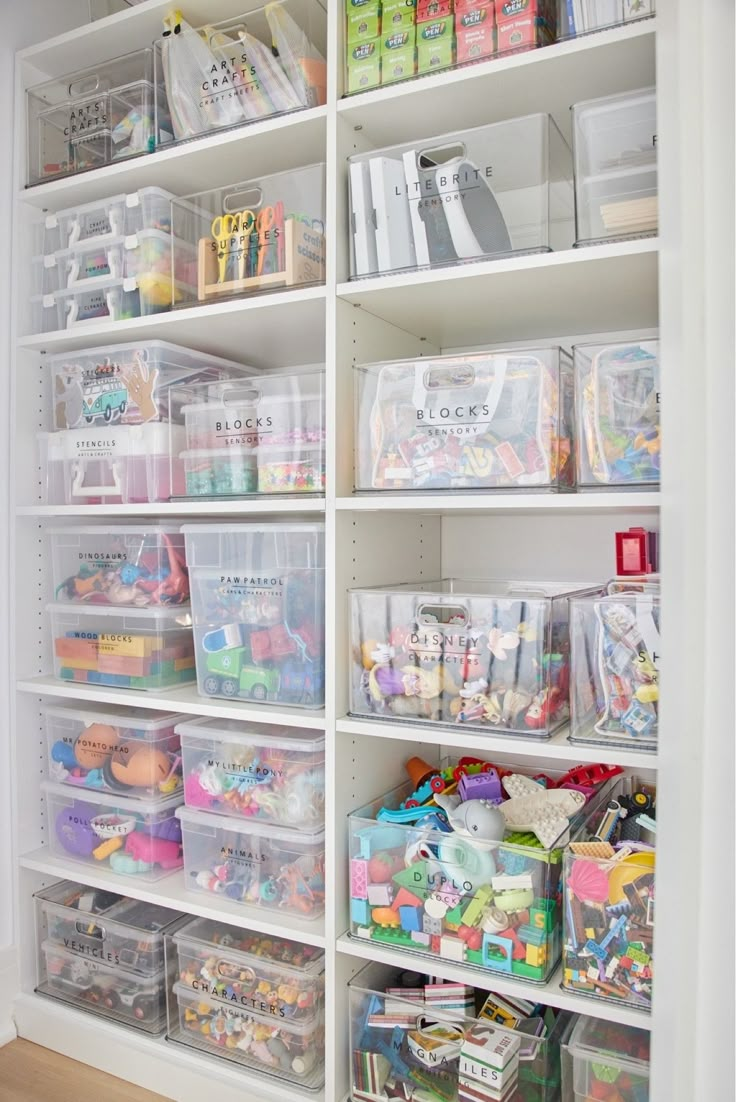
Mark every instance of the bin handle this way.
pixel 80 490
pixel 426 615
pixel 236 201
pixel 91 930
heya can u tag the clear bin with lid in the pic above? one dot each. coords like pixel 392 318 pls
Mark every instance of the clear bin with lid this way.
pixel 269 975
pixel 494 420
pixel 264 234
pixel 131 648
pixel 140 566
pixel 102 926
pixel 479 194
pixel 257 771
pixel 102 220
pixel 605 1060
pixel 288 1050
pixel 480 655
pixel 114 833
pixel 92 117
pixel 130 751
pixel 268 61
pixel 144 256
pixel 258 611
pixel 617 400
pixel 254 863
pixel 615 141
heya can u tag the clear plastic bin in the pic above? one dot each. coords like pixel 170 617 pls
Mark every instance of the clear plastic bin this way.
pixel 132 565
pixel 616 659
pixel 617 398
pixel 478 194
pixel 101 926
pixel 483 655
pixel 417 886
pixel 90 118
pixel 258 611
pixel 268 61
pixel 144 256
pixel 598 15
pixel 261 235
pixel 274 774
pixel 108 298
pixel 254 863
pixel 496 420
pixel 287 1050
pixel 102 220
pixel 271 976
pixel 406 1034
pixel 605 1060
pixel 125 750
pixel 615 140
pixel 264 434
pixel 609 892
pixel 132 648
pixel 105 831
pixel 123 997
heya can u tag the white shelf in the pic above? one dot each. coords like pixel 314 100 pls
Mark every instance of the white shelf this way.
pixel 550 993
pixel 171 892
pixel 502 503
pixel 558 747
pixel 244 508
pixel 290 325
pixel 599 288
pixel 173 1070
pixel 185 700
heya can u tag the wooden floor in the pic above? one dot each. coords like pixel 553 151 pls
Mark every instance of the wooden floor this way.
pixel 29 1073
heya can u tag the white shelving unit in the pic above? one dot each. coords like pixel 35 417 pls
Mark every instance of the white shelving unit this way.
pixel 680 282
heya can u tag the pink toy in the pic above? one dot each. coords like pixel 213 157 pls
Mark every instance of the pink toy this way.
pixel 155 851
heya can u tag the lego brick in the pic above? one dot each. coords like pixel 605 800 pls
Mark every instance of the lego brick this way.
pixel 452 948
pixel 359 878
pixel 360 912
pixel 410 918
pixel 380 895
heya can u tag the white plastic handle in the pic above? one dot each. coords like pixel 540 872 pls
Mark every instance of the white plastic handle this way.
pixel 80 490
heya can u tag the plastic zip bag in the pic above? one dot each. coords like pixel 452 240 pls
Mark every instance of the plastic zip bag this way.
pixel 302 63
pixel 188 63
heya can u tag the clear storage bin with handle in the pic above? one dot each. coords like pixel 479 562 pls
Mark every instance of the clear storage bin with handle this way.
pixel 615 142
pixel 605 1060
pixel 263 234
pixel 102 220
pixel 268 61
pixel 478 194
pixel 495 420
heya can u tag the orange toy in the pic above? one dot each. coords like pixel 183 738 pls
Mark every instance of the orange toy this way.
pixel 384 916
pixel 95 745
pixel 419 772
pixel 139 766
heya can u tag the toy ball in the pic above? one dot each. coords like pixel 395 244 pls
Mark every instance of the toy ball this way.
pixel 139 766
pixel 95 745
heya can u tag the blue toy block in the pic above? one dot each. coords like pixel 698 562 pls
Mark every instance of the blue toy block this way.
pixel 506 946
pixel 616 931
pixel 595 949
pixel 410 918
pixel 531 935
pixel 360 912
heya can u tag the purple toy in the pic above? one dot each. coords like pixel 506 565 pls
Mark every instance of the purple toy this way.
pixel 74 831
pixel 481 786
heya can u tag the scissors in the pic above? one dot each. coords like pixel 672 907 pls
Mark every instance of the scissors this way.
pixel 270 219
pixel 223 229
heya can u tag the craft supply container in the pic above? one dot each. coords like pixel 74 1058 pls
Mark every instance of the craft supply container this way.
pixel 255 771
pixel 496 420
pixel 608 910
pixel 129 751
pixel 134 565
pixel 479 655
pixel 254 863
pixel 258 611
pixel 616 657
pixel 615 142
pixel 103 220
pixel 271 976
pixel 617 409
pixel 390 1040
pixel 268 61
pixel 132 648
pixel 601 1058
pixel 480 194
pixel 433 894
pixel 288 1050
pixel 90 118
pixel 263 234
pixel 105 831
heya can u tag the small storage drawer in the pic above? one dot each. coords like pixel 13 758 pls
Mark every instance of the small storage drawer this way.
pixel 260 235
pixel 272 976
pixel 615 140
pixel 125 750
pixel 274 774
pixel 476 194
pixel 489 656
pixel 102 220
pixel 606 1060
pixel 496 420
pixel 134 648
pixel 99 925
pixel 137 566
pixel 289 1050
pixel 144 257
pixel 254 863
pixel 130 837
pixel 617 399
pixel 258 611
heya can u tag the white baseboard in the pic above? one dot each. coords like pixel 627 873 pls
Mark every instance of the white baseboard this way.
pixel 9 985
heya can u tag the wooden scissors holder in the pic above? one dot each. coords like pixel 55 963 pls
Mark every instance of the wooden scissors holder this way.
pixel 304 254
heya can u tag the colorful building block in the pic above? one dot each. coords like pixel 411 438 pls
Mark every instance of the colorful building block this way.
pixel 360 912
pixel 452 948
pixel 410 918
pixel 359 878
pixel 380 895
